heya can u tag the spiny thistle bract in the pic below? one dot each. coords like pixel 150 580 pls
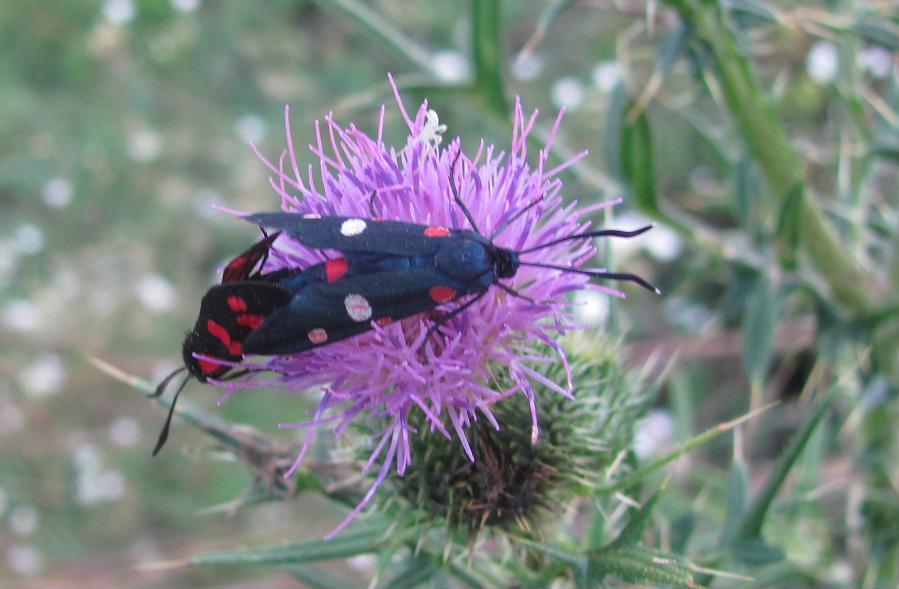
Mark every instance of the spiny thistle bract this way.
pixel 514 484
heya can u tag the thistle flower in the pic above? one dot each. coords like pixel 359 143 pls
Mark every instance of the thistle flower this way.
pixel 449 380
pixel 515 484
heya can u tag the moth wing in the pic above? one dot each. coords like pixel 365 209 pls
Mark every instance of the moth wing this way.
pixel 355 234
pixel 228 314
pixel 322 313
pixel 241 267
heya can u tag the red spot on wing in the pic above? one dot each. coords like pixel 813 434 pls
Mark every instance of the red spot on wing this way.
pixel 235 349
pixel 209 367
pixel 442 294
pixel 237 304
pixel 251 321
pixel 235 270
pixel 437 231
pixel 384 320
pixel 219 332
pixel 336 268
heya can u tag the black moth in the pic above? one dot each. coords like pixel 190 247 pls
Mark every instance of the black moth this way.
pixel 389 270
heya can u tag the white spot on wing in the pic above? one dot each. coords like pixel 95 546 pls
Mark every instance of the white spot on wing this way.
pixel 318 336
pixel 357 307
pixel 352 227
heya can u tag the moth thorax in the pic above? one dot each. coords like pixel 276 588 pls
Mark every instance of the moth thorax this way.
pixel 465 260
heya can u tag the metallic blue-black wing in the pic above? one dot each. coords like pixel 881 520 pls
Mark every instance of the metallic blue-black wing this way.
pixel 323 313
pixel 355 234
pixel 228 314
pixel 248 265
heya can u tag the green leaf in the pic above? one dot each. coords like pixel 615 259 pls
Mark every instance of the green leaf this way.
pixel 737 493
pixel 343 546
pixel 642 566
pixel 746 189
pixel 487 52
pixel 695 442
pixel 789 226
pixel 383 31
pixel 549 14
pixel 632 533
pixel 320 579
pixel 878 30
pixel 754 517
pixel 759 322
pixel 637 164
pixel 671 47
pixel 757 552
pixel 416 573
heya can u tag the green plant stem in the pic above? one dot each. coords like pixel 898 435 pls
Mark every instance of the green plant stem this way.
pixel 778 161
pixel 379 28
pixel 486 50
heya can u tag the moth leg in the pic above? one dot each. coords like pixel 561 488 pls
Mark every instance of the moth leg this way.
pixel 264 256
pixel 456 197
pixel 514 292
pixel 454 312
pixel 371 203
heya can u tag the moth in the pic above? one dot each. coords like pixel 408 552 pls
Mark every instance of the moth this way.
pixel 387 271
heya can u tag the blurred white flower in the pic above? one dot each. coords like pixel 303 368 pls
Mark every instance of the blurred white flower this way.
pixel 124 432
pixel 119 12
pixel 27 239
pixel 528 67
pixel 823 62
pixel 57 192
pixel 24 560
pixel 362 563
pixel 155 293
pixel 661 242
pixel 606 75
pixel 94 483
pixel 450 65
pixel 144 145
pixel 186 5
pixel 23 520
pixel 20 315
pixel 654 435
pixel 591 307
pixel 8 263
pixel 251 128
pixel 567 92
pixel 877 61
pixel 43 376
pixel 12 419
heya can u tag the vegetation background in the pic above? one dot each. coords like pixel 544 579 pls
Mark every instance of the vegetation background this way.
pixel 762 137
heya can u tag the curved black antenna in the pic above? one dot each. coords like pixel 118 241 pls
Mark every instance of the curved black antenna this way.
pixel 600 233
pixel 165 382
pixel 599 274
pixel 164 434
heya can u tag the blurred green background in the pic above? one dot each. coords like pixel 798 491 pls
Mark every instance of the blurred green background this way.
pixel 123 121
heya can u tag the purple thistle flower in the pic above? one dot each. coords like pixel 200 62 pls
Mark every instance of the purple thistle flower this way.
pixel 396 369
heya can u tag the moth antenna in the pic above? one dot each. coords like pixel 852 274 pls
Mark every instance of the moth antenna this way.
pixel 589 234
pixel 456 197
pixel 505 224
pixel 165 382
pixel 599 274
pixel 164 434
